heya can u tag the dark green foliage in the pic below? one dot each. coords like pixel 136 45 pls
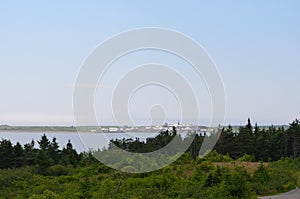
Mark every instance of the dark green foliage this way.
pixel 69 156
pixel 50 172
pixel 185 178
pixel 244 141
pixel 48 154
pixel 43 158
pixel 265 144
pixel 54 151
pixel 292 140
pixel 195 146
pixel 6 154
pixel 44 143
pixel 18 154
pixel 29 153
pixel 151 143
pixel 226 141
pixel 56 170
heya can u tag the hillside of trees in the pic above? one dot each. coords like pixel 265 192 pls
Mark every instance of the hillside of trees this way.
pixel 231 170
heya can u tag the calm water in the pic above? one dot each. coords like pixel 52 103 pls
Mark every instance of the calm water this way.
pixel 81 142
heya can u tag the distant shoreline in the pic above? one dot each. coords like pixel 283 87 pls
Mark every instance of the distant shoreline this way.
pixel 111 129
pixel 37 128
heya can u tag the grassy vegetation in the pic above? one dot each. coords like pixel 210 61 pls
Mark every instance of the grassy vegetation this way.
pixel 215 176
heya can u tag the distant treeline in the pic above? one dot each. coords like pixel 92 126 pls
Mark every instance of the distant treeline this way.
pixel 263 144
pixel 48 154
pixel 259 144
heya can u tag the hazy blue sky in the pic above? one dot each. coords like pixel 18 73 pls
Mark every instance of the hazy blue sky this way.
pixel 255 45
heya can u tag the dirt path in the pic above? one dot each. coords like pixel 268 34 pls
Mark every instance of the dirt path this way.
pixel 293 194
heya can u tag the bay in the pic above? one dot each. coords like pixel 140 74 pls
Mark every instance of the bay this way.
pixel 81 142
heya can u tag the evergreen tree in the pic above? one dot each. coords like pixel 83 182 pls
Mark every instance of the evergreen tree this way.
pixel 29 153
pixel 6 154
pixel 54 151
pixel 69 155
pixel 244 141
pixel 44 143
pixel 226 141
pixel 43 158
pixel 18 154
pixel 195 146
pixel 276 144
pixel 292 140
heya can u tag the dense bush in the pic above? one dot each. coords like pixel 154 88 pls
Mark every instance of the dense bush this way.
pixel 185 178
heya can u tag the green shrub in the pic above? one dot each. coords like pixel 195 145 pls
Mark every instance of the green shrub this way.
pixel 246 158
pixel 46 195
pixel 214 156
pixel 56 170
